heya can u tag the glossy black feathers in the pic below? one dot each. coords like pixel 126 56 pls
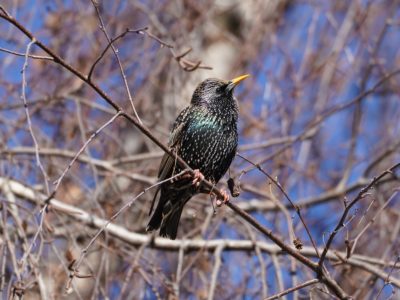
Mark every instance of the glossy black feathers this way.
pixel 205 136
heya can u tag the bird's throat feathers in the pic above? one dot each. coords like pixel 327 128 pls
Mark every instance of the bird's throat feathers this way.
pixel 218 114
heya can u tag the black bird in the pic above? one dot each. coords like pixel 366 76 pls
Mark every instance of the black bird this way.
pixel 205 136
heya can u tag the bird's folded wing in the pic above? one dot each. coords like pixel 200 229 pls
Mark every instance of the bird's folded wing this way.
pixel 168 163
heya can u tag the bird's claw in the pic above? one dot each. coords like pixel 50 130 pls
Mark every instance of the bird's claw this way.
pixel 222 200
pixel 198 177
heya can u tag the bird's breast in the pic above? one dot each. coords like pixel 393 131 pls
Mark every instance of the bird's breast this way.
pixel 209 145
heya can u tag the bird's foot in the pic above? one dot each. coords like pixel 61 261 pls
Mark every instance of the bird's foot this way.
pixel 186 174
pixel 222 200
pixel 198 177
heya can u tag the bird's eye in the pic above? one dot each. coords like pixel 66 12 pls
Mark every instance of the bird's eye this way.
pixel 221 89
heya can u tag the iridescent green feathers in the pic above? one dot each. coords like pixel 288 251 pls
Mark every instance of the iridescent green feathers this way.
pixel 205 136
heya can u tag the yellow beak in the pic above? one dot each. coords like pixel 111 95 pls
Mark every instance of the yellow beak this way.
pixel 235 81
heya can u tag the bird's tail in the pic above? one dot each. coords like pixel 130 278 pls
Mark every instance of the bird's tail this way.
pixel 156 218
pixel 168 212
pixel 167 215
pixel 170 222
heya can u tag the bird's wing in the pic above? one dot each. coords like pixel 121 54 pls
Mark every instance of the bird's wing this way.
pixel 168 163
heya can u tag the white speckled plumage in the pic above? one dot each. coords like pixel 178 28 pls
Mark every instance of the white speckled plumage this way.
pixel 205 136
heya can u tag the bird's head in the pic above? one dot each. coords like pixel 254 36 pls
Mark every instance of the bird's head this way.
pixel 216 93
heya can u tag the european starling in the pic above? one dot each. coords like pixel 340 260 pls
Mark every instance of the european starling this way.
pixel 205 136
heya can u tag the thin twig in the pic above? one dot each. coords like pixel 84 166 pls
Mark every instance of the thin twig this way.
pixel 214 275
pixel 288 198
pixel 28 118
pixel 355 240
pixel 310 129
pixel 350 205
pixel 110 43
pixel 92 136
pixel 115 51
pixel 85 250
pixel 292 289
pixel 24 54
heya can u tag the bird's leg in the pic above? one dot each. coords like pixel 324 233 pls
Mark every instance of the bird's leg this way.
pixel 196 176
pixel 224 199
